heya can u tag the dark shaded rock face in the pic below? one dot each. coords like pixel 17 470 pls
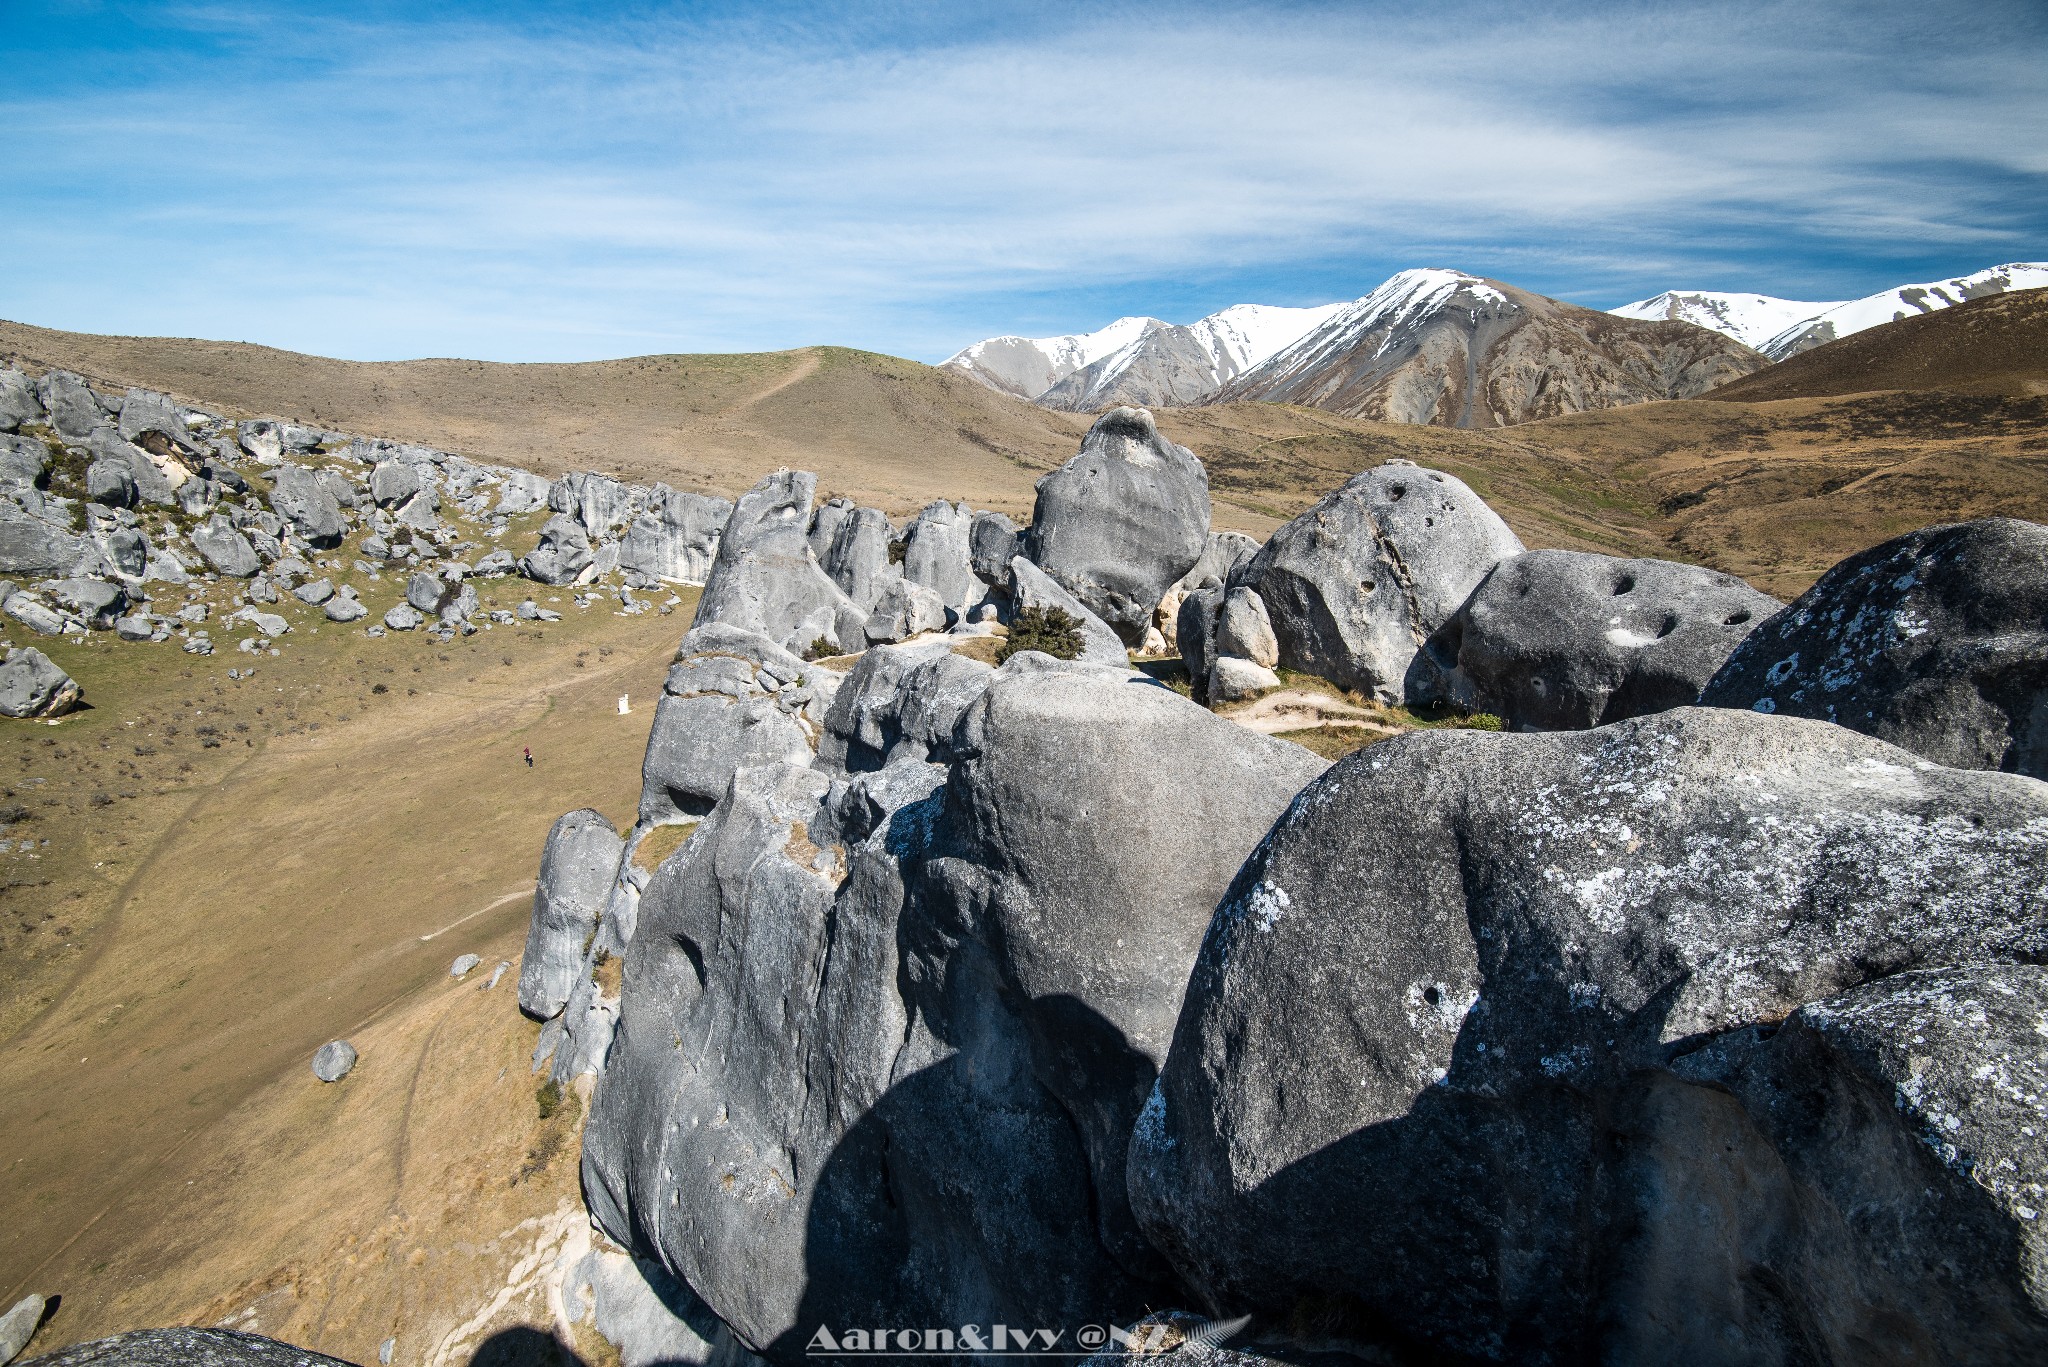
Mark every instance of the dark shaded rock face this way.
pixel 885 1032
pixel 1120 523
pixel 1936 641
pixel 185 1348
pixel 1481 1054
pixel 577 868
pixel 1356 584
pixel 1564 640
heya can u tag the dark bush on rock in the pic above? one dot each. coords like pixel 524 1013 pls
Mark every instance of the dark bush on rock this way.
pixel 1050 631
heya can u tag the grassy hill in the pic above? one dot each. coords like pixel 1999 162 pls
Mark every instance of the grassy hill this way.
pixel 1996 345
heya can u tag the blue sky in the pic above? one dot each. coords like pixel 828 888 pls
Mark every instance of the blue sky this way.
pixel 526 181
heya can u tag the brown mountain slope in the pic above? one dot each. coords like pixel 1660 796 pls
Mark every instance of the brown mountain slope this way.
pixel 1994 345
pixel 1450 350
pixel 1773 491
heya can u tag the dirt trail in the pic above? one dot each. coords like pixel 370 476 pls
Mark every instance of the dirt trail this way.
pixel 319 891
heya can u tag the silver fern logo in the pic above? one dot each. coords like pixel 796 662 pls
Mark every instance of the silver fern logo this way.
pixel 1211 1336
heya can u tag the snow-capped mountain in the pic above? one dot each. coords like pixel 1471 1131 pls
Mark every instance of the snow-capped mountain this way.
pixel 1136 360
pixel 1751 319
pixel 1028 366
pixel 1785 327
pixel 1889 306
pixel 1167 365
pixel 1456 350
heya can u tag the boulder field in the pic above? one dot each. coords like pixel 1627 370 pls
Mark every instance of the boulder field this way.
pixel 1653 1028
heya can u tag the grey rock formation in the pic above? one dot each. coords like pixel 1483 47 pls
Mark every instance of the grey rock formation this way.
pixel 1441 1053
pixel 1121 522
pixel 34 545
pixel 522 492
pixel 392 482
pixel 676 538
pixel 226 549
pixel 882 1041
pixel 562 555
pixel 1244 629
pixel 1936 641
pixel 1564 640
pixel 993 541
pixel 899 703
pixel 33 613
pixel 936 555
pixel 147 410
pixel 495 564
pixel 1195 634
pixel 334 1060
pixel 315 593
pixel 422 511
pixel 32 686
pixel 74 410
pixel 765 579
pixel 905 609
pixel 1233 678
pixel 458 604
pixel 345 607
pixel 577 868
pixel 23 1318
pixel 298 496
pixel 22 459
pixel 185 1348
pixel 196 497
pixel 1357 583
pixel 1031 587
pixel 733 699
pixel 423 591
pixel 825 523
pixel 463 963
pixel 111 482
pixel 262 439
pixel 403 617
pixel 602 504
pixel 18 400
pixel 858 558
pixel 94 602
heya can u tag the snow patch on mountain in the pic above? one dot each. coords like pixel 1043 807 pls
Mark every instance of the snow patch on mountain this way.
pixel 1751 319
pixel 1906 301
pixel 1028 366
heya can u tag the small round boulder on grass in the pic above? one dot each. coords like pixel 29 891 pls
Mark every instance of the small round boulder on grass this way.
pixel 333 1060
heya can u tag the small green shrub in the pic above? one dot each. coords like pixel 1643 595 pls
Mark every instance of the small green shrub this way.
pixel 1482 721
pixel 548 1099
pixel 820 649
pixel 1053 631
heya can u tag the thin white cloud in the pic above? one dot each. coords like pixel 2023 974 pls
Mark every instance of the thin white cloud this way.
pixel 379 190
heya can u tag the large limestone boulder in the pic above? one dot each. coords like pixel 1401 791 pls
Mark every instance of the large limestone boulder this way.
pixel 18 400
pixel 733 699
pixel 263 440
pixel 392 482
pixel 883 1035
pixel 1470 1053
pixel 578 866
pixel 562 554
pixel 31 685
pixel 22 459
pixel 900 703
pixel 73 409
pixel 936 555
pixel 150 411
pixel 602 504
pixel 36 546
pixel 858 558
pixel 905 609
pixel 1564 640
pixel 225 548
pixel 154 481
pixel 993 541
pixel 1357 583
pixel 95 602
pixel 1121 522
pixel 1936 641
pixel 298 496
pixel 110 482
pixel 676 537
pixel 765 579
pixel 522 492
pixel 825 523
